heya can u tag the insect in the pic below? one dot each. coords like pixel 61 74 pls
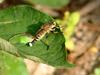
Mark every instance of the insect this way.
pixel 46 28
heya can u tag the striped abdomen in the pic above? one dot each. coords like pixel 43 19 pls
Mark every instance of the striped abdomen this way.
pixel 46 28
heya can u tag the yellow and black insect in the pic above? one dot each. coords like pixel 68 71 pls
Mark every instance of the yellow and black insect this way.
pixel 46 28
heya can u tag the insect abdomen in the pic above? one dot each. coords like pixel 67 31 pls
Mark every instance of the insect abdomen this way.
pixel 41 33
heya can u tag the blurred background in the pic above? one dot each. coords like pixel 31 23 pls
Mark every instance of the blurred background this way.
pixel 86 35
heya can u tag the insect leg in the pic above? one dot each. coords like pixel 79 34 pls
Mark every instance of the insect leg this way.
pixel 45 44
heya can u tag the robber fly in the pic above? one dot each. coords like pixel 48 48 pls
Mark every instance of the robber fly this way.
pixel 46 28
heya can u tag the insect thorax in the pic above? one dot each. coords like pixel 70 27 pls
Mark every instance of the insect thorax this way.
pixel 46 28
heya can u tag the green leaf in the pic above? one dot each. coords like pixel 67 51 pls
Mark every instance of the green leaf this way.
pixel 51 3
pixel 21 38
pixel 6 46
pixel 50 50
pixel 97 71
pixel 11 65
pixel 21 19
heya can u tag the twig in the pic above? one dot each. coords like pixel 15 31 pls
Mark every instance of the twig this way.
pixel 89 7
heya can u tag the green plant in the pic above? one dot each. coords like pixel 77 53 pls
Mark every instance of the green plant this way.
pixel 15 23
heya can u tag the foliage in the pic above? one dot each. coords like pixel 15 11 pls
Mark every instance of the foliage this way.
pixel 11 65
pixel 16 20
pixel 97 71
pixel 67 26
